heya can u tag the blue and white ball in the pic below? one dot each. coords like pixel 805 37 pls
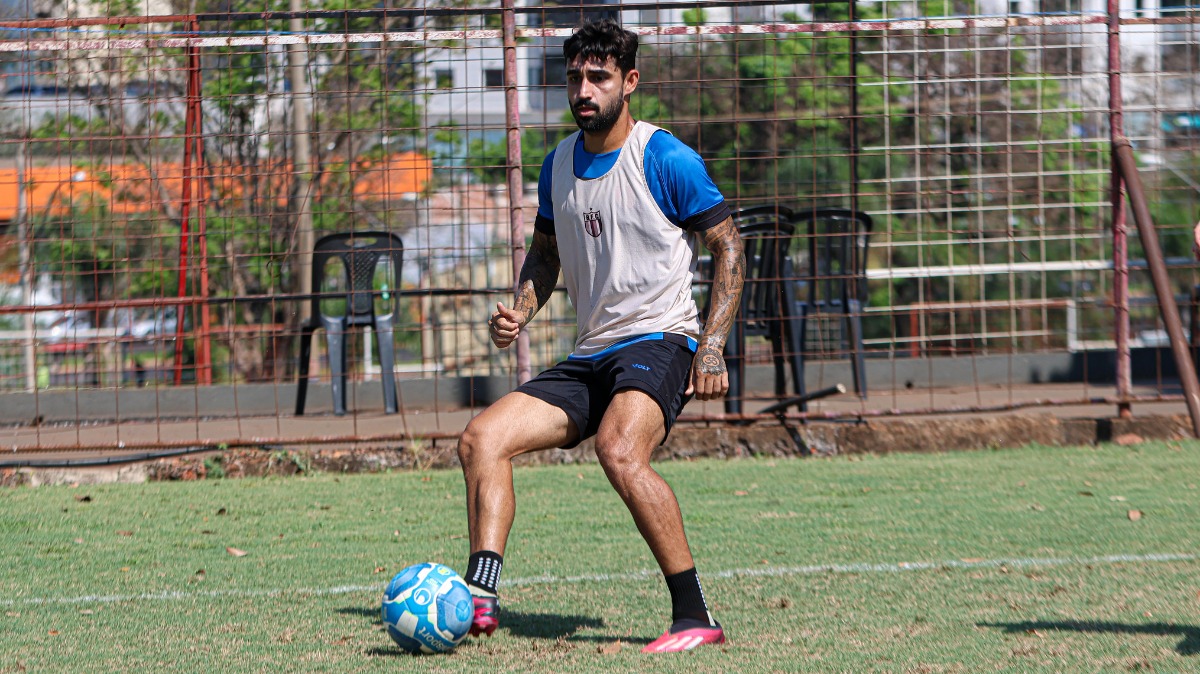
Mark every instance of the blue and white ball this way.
pixel 427 608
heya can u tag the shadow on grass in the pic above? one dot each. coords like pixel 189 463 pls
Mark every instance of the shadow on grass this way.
pixel 1189 646
pixel 521 624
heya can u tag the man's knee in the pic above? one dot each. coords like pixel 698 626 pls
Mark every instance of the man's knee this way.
pixel 471 445
pixel 619 454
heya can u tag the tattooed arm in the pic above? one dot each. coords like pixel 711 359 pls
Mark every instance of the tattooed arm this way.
pixel 710 377
pixel 539 274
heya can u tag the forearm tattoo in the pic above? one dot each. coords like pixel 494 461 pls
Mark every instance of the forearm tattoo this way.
pixel 539 275
pixel 729 275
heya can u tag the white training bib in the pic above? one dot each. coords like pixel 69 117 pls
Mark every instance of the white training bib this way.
pixel 627 268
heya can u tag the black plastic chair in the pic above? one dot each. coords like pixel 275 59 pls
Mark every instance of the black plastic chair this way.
pixel 836 278
pixel 355 277
pixel 768 303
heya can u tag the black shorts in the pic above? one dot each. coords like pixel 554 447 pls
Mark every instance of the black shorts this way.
pixel 584 387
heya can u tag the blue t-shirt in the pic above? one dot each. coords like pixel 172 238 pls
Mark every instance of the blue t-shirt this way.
pixel 675 174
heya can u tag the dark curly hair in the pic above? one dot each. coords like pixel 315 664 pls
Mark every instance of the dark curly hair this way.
pixel 603 39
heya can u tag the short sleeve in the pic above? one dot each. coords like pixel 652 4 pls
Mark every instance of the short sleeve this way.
pixel 680 183
pixel 544 222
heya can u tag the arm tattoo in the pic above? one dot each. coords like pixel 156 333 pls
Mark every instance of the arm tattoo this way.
pixel 729 274
pixel 539 275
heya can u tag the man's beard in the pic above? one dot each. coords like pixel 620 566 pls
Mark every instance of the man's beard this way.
pixel 603 120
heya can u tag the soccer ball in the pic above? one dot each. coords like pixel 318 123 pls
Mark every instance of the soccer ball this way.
pixel 427 608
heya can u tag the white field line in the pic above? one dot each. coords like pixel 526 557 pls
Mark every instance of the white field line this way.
pixel 770 571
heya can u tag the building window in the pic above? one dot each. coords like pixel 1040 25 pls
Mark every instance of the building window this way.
pixel 493 78
pixel 555 71
pixel 443 79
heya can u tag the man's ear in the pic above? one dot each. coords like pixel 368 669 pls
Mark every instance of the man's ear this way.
pixel 631 81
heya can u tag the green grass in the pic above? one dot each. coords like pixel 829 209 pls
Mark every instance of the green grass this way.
pixel 137 577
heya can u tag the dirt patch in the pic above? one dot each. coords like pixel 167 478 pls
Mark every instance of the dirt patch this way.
pixel 762 439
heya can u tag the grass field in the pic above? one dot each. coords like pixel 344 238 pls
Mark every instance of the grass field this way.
pixel 1015 561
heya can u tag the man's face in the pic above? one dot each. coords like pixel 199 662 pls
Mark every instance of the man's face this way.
pixel 596 92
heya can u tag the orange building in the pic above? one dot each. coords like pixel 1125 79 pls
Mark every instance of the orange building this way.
pixel 127 188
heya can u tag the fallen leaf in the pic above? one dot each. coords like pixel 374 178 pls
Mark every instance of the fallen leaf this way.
pixel 579 475
pixel 83 498
pixel 971 560
pixel 1148 614
pixel 222 511
pixel 14 614
pixel 79 541
pixel 124 533
pixel 866 489
pixel 740 493
pixel 199 575
pixel 1126 439
pixel 207 531
pixel 784 602
pixel 1135 515
pixel 53 633
pixel 380 569
pixel 1034 633
pixel 1038 507
pixel 86 611
pixel 236 553
pixel 610 648
pixel 1086 493
pixel 1117 498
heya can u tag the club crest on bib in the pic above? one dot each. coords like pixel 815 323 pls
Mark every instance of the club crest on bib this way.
pixel 592 222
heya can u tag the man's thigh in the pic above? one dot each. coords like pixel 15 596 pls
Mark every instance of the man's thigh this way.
pixel 519 423
pixel 634 420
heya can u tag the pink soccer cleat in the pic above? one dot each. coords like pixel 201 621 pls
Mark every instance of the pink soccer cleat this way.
pixel 685 640
pixel 486 619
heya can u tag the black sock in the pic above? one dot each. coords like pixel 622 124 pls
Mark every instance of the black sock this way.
pixel 483 570
pixel 687 599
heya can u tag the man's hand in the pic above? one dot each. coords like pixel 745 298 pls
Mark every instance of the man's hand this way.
pixel 504 325
pixel 710 377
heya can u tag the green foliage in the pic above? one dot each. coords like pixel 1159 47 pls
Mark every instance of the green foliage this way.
pixel 695 17
pixel 487 160
pixel 214 467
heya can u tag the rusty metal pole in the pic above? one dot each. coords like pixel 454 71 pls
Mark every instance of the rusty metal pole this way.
pixel 1162 282
pixel 516 187
pixel 185 211
pixel 1116 129
pixel 204 371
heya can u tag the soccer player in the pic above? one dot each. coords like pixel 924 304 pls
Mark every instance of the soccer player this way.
pixel 621 206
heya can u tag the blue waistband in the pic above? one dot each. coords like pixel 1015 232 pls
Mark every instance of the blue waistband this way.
pixel 682 340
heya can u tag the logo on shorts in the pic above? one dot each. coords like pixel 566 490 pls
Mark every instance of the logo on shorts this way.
pixel 642 367
pixel 592 223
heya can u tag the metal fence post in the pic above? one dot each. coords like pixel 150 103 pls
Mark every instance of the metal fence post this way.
pixel 516 187
pixel 1120 246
